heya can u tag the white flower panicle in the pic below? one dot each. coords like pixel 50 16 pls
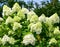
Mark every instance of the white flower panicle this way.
pixel 34 19
pixel 5 39
pixel 25 11
pixel 52 41
pixel 9 20
pixel 6 11
pixel 54 18
pixel 42 18
pixel 30 14
pixel 56 31
pixel 29 39
pixel 16 8
pixel 16 26
pixel 36 28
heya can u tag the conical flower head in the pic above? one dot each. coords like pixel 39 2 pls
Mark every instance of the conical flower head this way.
pixel 16 8
pixel 6 11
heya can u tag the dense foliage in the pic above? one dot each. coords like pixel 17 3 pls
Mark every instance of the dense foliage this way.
pixel 20 27
pixel 48 8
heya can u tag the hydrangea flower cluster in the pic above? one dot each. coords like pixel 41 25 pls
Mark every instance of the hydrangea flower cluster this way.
pixel 6 39
pixel 37 27
pixel 29 39
pixel 20 27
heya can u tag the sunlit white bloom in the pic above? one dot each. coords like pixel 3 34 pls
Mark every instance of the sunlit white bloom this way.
pixel 16 19
pixel 54 18
pixel 56 31
pixel 52 41
pixel 29 39
pixel 30 14
pixel 16 26
pixel 9 20
pixel 25 11
pixel 1 19
pixel 37 28
pixel 34 19
pixel 11 40
pixel 6 11
pixel 5 39
pixel 42 18
pixel 16 8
